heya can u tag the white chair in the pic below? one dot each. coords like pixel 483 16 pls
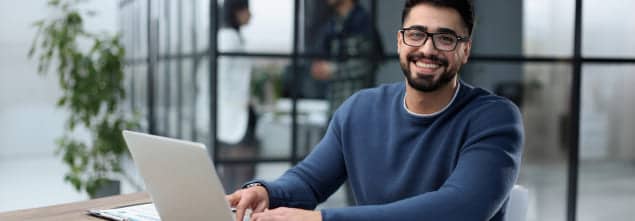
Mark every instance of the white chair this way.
pixel 517 205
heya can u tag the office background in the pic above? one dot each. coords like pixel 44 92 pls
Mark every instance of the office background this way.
pixel 540 53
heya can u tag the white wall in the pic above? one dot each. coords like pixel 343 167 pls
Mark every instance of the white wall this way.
pixel 30 174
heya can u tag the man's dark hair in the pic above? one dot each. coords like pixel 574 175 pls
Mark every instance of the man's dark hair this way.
pixel 230 8
pixel 464 7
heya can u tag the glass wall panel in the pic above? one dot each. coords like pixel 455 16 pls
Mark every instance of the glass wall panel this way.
pixel 607 156
pixel 140 92
pixel 140 27
pixel 202 24
pixel 388 22
pixel 171 96
pixel 188 98
pixel 134 29
pixel 608 28
pixel 546 113
pixel 270 28
pixel 187 31
pixel 171 26
pixel 547 27
pixel 202 106
pixel 161 78
pixel 312 104
pixel 541 90
pixel 253 112
pixel 498 29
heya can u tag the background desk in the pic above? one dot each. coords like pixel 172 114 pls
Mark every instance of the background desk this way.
pixel 74 211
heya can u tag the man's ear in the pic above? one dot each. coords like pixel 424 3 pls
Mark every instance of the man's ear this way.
pixel 467 50
pixel 399 42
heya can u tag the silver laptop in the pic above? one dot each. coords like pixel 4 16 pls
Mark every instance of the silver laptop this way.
pixel 180 178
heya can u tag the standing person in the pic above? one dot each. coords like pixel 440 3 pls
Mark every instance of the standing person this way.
pixel 235 116
pixel 350 51
pixel 429 148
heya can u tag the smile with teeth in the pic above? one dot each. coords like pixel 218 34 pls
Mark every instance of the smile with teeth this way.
pixel 426 65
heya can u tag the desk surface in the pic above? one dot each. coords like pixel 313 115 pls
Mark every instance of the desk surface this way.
pixel 74 211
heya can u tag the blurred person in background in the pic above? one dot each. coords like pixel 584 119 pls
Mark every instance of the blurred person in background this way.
pixel 236 118
pixel 350 51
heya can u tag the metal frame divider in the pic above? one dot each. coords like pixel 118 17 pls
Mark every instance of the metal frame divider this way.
pixel 576 88
pixel 150 71
pixel 213 80
pixel 294 79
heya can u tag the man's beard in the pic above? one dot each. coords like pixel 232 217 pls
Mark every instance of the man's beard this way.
pixel 427 84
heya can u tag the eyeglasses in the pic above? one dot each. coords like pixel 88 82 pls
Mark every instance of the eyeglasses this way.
pixel 416 37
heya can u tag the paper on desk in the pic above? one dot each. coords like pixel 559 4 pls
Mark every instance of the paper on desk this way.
pixel 143 212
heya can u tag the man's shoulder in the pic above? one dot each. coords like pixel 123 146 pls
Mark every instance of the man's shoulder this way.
pixel 486 99
pixel 482 103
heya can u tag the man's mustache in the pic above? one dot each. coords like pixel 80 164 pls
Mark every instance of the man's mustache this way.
pixel 418 55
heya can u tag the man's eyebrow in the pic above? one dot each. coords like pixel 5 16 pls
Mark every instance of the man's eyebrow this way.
pixel 446 30
pixel 418 27
pixel 439 30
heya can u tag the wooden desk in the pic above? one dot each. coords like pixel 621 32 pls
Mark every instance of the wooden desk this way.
pixel 74 211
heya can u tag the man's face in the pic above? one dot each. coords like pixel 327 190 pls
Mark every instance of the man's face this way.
pixel 427 69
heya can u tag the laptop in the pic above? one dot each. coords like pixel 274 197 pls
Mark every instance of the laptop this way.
pixel 180 178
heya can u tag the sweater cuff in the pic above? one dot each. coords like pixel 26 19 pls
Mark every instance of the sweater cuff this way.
pixel 330 214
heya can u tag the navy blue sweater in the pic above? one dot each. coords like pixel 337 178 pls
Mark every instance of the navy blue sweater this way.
pixel 458 165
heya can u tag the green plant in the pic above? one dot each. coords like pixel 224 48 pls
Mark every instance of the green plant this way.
pixel 92 83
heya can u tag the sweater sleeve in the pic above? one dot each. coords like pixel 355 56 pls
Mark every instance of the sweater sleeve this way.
pixel 486 170
pixel 314 179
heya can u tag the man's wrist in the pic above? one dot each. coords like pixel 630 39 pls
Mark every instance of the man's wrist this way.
pixel 254 184
pixel 259 187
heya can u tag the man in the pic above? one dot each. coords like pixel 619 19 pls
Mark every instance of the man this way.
pixel 350 49
pixel 432 148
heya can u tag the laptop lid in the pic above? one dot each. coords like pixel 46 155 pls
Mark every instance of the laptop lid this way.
pixel 180 178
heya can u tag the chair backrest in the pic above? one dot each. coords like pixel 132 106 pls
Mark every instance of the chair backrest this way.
pixel 518 203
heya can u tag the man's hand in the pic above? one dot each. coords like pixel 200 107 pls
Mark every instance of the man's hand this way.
pixel 287 214
pixel 321 70
pixel 254 198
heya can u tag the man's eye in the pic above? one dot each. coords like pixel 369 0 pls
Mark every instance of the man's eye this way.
pixel 446 39
pixel 416 35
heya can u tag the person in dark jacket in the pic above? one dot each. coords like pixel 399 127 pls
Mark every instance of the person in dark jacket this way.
pixel 350 51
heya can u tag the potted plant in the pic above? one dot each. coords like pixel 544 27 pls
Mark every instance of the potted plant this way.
pixel 91 79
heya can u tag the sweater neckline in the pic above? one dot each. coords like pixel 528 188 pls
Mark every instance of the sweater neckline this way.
pixel 456 92
pixel 427 118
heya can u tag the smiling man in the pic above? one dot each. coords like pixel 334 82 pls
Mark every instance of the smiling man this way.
pixel 429 148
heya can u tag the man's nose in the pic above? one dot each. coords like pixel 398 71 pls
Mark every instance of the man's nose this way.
pixel 428 47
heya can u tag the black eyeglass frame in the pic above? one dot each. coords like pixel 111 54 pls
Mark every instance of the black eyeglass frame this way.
pixel 431 35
